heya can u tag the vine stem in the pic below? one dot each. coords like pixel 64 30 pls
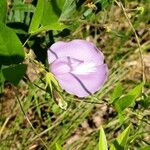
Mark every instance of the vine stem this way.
pixel 138 42
pixel 21 107
pixel 26 41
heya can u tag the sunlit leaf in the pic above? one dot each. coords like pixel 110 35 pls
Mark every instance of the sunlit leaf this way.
pixel 54 26
pixel 58 147
pixel 116 93
pixel 137 90
pixel 37 16
pixel 50 14
pixel 121 142
pixel 45 17
pixel 102 140
pixel 127 100
pixel 124 102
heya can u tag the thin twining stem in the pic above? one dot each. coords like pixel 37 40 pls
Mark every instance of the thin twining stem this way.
pixel 26 41
pixel 137 39
pixel 21 107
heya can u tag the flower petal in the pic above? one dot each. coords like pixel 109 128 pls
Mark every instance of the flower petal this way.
pixel 64 65
pixel 94 80
pixel 52 51
pixel 60 67
pixel 77 49
pixel 83 85
pixel 78 66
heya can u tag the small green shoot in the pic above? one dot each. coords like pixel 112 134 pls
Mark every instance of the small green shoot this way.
pixel 102 140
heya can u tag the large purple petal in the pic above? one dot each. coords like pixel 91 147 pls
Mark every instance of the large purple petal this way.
pixel 60 66
pixel 53 50
pixel 77 49
pixel 83 85
pixel 94 80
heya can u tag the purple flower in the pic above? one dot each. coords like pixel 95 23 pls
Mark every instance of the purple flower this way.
pixel 78 66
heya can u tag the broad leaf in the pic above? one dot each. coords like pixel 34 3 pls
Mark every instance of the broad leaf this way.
pixel 58 5
pixel 116 93
pixel 137 90
pixel 102 140
pixel 11 50
pixel 50 13
pixel 46 16
pixel 124 102
pixel 14 73
pixel 55 26
pixel 37 16
pixel 121 142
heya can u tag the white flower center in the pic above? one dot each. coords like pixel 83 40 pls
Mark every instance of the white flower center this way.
pixel 85 68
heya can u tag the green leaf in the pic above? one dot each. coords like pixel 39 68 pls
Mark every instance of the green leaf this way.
pixel 137 90
pixel 102 140
pixel 46 16
pixel 121 142
pixel 3 8
pixel 121 117
pixel 50 13
pixel 14 73
pixel 11 50
pixel 116 93
pixel 58 5
pixel 58 147
pixel 123 137
pixel 54 26
pixel 37 16
pixel 124 102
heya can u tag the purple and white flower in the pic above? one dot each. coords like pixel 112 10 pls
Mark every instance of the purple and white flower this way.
pixel 78 66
